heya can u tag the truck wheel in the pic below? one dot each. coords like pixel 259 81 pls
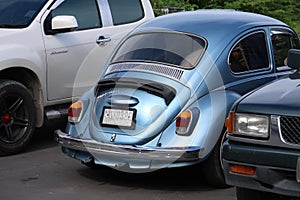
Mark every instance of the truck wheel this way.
pixel 248 194
pixel 17 117
pixel 212 168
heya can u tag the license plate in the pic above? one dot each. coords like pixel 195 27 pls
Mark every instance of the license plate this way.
pixel 118 118
pixel 298 171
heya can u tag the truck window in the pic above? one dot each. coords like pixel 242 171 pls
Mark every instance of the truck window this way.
pixel 124 12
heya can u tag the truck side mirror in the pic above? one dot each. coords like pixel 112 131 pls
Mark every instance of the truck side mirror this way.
pixel 63 24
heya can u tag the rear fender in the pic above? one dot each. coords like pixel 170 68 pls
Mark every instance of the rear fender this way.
pixel 213 109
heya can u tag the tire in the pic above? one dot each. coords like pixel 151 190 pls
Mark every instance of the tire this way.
pixel 248 194
pixel 212 168
pixel 17 117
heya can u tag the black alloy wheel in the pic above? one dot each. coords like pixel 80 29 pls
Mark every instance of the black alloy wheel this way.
pixel 17 117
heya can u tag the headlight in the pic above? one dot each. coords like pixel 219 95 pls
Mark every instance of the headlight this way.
pixel 251 125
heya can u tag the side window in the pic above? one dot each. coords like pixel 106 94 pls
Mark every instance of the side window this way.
pixel 126 11
pixel 85 11
pixel 282 43
pixel 249 54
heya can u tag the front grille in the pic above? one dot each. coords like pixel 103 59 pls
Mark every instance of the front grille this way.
pixel 290 129
pixel 145 67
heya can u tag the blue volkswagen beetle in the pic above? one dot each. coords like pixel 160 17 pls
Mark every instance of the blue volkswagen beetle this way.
pixel 167 89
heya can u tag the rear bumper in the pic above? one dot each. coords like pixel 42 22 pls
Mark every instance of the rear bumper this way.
pixel 275 169
pixel 126 153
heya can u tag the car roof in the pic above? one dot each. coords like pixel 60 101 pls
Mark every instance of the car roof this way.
pixel 210 23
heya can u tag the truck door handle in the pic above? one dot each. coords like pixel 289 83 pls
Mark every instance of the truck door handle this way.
pixel 102 40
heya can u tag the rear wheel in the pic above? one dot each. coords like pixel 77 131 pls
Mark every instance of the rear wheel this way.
pixel 212 168
pixel 17 117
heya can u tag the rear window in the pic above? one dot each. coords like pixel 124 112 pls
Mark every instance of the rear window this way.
pixel 177 49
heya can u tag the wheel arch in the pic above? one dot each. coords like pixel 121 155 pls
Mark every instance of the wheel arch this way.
pixel 214 108
pixel 31 81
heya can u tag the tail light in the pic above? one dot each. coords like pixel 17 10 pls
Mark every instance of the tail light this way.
pixel 75 112
pixel 183 122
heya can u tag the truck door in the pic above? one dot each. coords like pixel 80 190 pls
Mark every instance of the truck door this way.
pixel 75 59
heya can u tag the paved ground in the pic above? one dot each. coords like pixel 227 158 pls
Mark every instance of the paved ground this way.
pixel 43 172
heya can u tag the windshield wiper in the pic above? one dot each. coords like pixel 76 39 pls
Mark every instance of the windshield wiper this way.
pixel 13 25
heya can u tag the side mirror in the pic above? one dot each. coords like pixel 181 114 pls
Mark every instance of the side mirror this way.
pixel 293 61
pixel 64 23
pixel 294 58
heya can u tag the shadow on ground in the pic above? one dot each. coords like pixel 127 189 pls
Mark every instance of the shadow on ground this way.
pixel 171 179
pixel 44 136
pixel 174 179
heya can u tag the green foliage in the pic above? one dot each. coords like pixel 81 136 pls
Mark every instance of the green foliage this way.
pixel 185 4
pixel 287 11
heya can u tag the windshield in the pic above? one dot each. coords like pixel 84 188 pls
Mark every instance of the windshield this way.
pixel 19 13
pixel 170 48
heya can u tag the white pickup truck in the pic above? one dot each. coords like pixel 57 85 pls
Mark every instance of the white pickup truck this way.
pixel 50 52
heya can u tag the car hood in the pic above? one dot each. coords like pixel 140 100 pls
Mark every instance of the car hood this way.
pixel 280 97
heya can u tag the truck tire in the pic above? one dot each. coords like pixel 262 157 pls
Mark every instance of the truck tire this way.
pixel 17 117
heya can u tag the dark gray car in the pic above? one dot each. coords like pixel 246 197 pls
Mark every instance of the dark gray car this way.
pixel 261 155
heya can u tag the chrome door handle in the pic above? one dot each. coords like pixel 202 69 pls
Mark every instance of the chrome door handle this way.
pixel 102 40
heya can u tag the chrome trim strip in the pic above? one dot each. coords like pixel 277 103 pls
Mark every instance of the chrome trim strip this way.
pixel 298 171
pixel 123 100
pixel 128 151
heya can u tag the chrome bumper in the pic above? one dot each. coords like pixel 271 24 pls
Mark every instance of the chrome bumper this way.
pixel 187 154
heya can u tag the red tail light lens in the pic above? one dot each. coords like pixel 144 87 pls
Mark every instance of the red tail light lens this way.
pixel 74 112
pixel 183 122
